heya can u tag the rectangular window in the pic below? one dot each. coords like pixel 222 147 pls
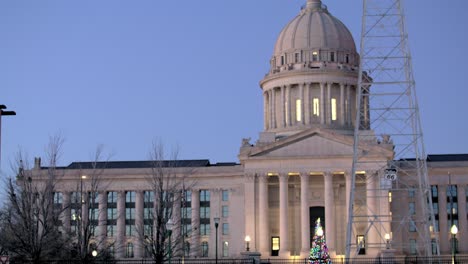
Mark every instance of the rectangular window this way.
pixel 111 213
pixel 111 230
pixel 332 56
pixel 225 212
pixel 282 60
pixel 435 193
pixel 435 206
pixel 204 229
pixel 316 107
pixel 130 230
pixel 298 110
pixel 111 197
pixel 187 212
pixel 333 109
pixel 225 229
pixel 204 249
pixel 188 196
pixel 412 208
pixel 129 213
pixel 413 249
pixel 149 196
pixel 58 198
pixel 129 197
pixel 148 230
pixel 452 191
pixel 148 213
pixel 225 195
pixel 225 249
pixel 452 208
pixel 275 243
pixel 204 212
pixel 347 58
pixel 314 56
pixel 204 196
pixel 411 192
pixel 412 226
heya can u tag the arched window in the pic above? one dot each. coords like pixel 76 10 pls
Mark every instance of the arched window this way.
pixel 129 251
pixel 204 247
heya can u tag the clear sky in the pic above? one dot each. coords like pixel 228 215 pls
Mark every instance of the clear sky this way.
pixel 124 73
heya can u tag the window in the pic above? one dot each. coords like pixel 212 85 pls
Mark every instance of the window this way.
pixel 225 229
pixel 282 60
pixel 452 208
pixel 225 212
pixel 58 198
pixel 411 192
pixel 111 250
pixel 333 109
pixel 204 196
pixel 129 230
pixel 204 212
pixel 111 230
pixel 147 213
pixel 148 230
pixel 225 195
pixel 435 193
pixel 129 251
pixel 111 197
pixel 187 212
pixel 413 250
pixel 315 56
pixel 412 209
pixel 225 249
pixel 111 213
pixel 347 58
pixel 187 249
pixel 129 197
pixel 149 196
pixel 435 206
pixel 129 213
pixel 332 56
pixel 412 226
pixel 188 196
pixel 275 246
pixel 316 104
pixel 361 242
pixel 451 191
pixel 204 246
pixel 434 246
pixel 204 229
pixel 298 110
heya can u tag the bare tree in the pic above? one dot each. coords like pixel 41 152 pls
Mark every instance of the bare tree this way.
pixel 31 220
pixel 86 212
pixel 162 230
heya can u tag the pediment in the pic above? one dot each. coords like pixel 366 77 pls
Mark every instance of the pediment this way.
pixel 310 144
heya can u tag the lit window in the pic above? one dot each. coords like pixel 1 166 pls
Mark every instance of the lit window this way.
pixel 298 110
pixel 225 249
pixel 314 56
pixel 333 108
pixel 275 243
pixel 316 107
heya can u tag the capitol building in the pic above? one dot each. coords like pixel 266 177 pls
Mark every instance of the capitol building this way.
pixel 297 171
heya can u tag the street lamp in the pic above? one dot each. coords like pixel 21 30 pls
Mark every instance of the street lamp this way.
pixel 216 221
pixel 387 240
pixel 169 227
pixel 3 113
pixel 94 253
pixel 247 242
pixel 454 231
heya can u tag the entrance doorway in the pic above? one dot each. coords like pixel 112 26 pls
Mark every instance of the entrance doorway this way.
pixel 315 213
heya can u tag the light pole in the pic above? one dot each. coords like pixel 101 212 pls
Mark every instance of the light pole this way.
pixel 454 231
pixel 3 113
pixel 247 242
pixel 169 227
pixel 387 240
pixel 216 221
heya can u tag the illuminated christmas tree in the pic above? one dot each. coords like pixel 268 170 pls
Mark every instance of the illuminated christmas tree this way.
pixel 319 251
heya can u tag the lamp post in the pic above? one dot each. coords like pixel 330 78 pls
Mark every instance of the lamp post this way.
pixel 247 242
pixel 3 113
pixel 453 231
pixel 169 227
pixel 387 240
pixel 94 253
pixel 216 221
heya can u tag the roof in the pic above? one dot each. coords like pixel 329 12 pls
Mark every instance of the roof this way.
pixel 143 164
pixel 447 157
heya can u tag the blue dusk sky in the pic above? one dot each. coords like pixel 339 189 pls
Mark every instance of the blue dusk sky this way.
pixel 124 73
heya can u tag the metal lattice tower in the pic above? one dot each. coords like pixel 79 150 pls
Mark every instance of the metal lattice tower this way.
pixel 390 200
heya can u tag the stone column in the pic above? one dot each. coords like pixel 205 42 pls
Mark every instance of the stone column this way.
pixel 305 218
pixel 139 247
pixel 273 106
pixel 102 207
pixel 348 179
pixel 195 243
pixel 329 105
pixel 264 227
pixel 270 109
pixel 322 103
pixel 265 110
pixel 288 105
pixel 329 212
pixel 66 211
pixel 371 194
pixel 444 224
pixel 463 227
pixel 284 213
pixel 119 242
pixel 283 107
pixel 301 96
pixel 307 103
pixel 348 106
pixel 342 105
pixel 249 205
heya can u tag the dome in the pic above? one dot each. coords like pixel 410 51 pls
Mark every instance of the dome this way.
pixel 314 29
